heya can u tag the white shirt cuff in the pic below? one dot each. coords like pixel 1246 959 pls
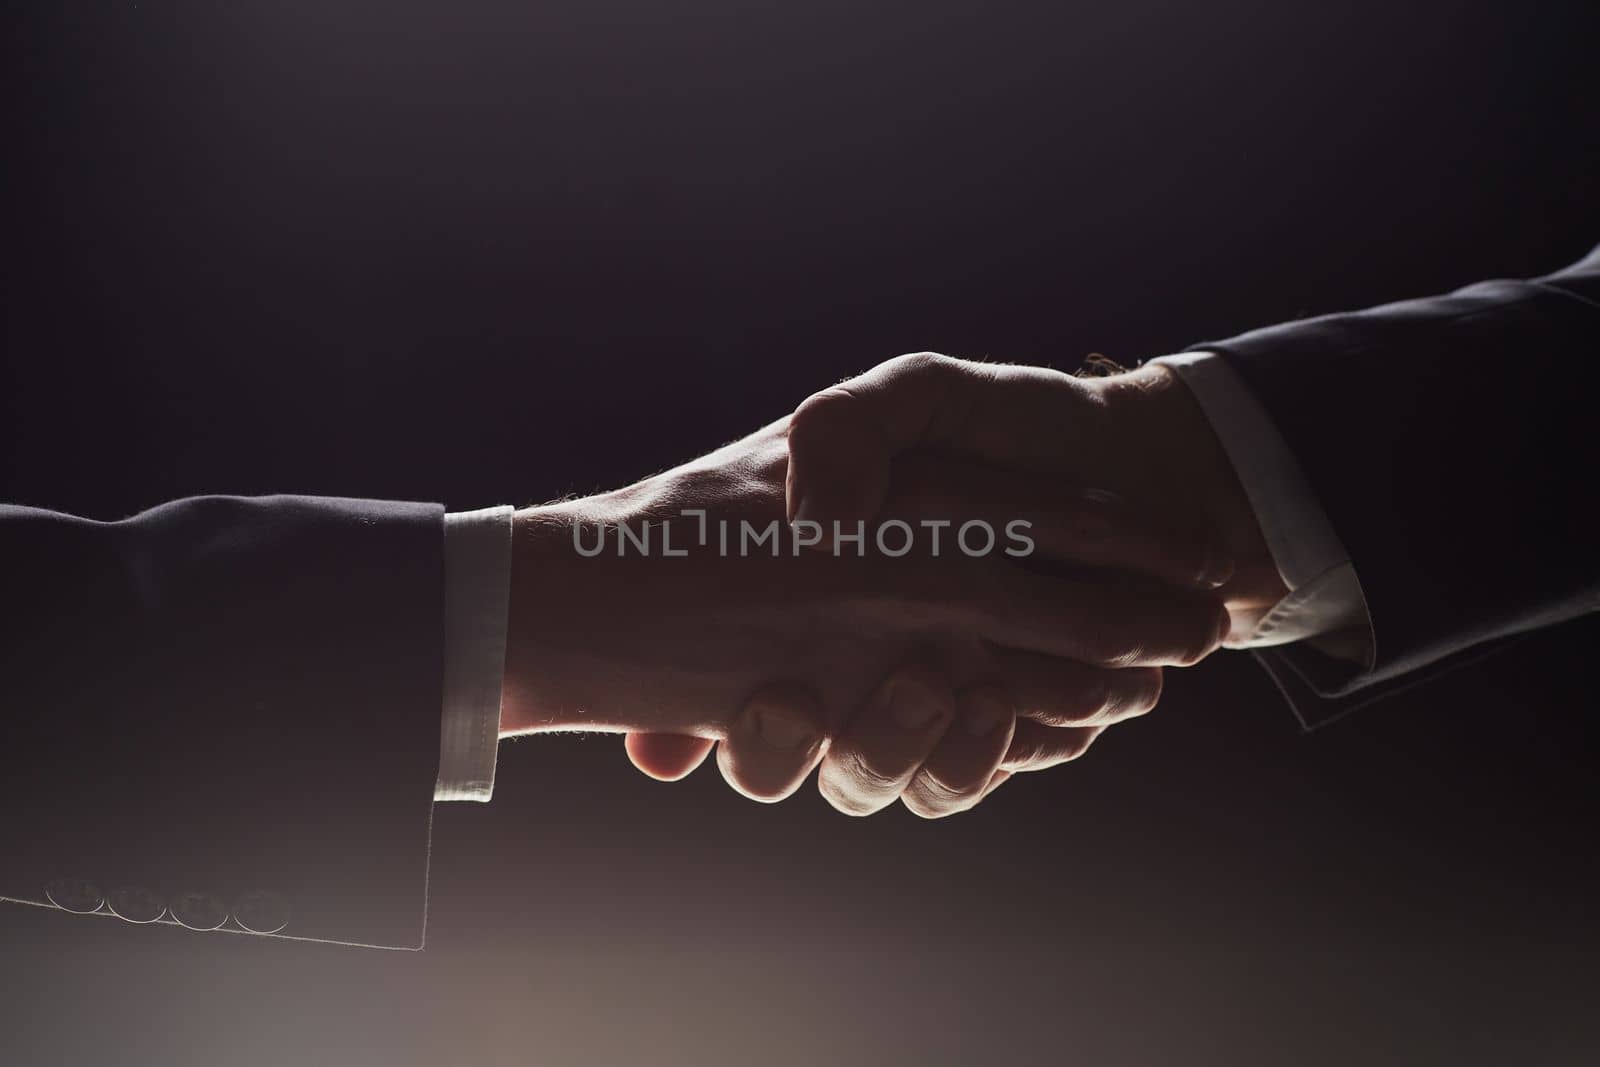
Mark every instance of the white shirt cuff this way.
pixel 1325 605
pixel 477 594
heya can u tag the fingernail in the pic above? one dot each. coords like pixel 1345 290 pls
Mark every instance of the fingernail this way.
pixel 984 718
pixel 803 508
pixel 1216 570
pixel 912 706
pixel 781 728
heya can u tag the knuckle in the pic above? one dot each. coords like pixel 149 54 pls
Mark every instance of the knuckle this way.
pixel 819 411
pixel 923 810
pixel 844 800
pixel 1063 746
pixel 867 775
pixel 933 798
pixel 921 364
pixel 931 791
pixel 1154 683
pixel 1024 757
pixel 1137 696
pixel 1203 634
pixel 1075 747
pixel 1110 647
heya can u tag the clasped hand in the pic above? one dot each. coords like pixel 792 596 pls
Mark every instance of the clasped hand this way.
pixel 924 581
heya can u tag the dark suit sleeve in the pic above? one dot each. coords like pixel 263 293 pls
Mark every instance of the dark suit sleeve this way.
pixel 224 713
pixel 1451 442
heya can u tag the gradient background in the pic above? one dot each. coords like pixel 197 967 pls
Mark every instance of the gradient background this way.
pixel 492 252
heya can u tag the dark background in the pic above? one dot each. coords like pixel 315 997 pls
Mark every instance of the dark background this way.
pixel 483 253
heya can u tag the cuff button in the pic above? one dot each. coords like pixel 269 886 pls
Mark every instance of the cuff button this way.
pixel 262 912
pixel 136 904
pixel 77 895
pixel 199 911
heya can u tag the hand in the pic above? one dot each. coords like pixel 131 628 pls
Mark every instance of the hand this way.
pixel 1139 435
pixel 677 645
pixel 874 761
pixel 859 449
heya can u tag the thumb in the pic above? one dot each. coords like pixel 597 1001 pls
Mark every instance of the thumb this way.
pixel 843 440
pixel 667 757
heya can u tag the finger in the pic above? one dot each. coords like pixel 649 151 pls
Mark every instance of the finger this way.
pixel 1097 617
pixel 1062 692
pixel 774 743
pixel 873 759
pixel 1027 515
pixel 667 757
pixel 1102 618
pixel 1036 747
pixel 954 776
pixel 998 779
pixel 842 439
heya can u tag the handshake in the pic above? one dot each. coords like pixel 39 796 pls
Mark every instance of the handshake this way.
pixel 925 580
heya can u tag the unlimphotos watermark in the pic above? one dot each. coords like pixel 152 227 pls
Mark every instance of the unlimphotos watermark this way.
pixel 891 537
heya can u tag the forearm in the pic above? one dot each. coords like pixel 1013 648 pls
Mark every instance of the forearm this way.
pixel 225 697
pixel 1430 433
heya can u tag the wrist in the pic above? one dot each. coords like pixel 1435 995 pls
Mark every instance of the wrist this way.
pixel 580 618
pixel 537 537
pixel 1169 438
